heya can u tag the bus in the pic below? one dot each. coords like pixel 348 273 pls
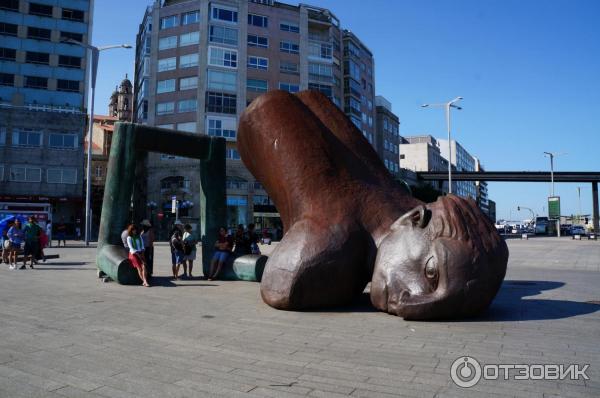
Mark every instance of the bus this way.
pixel 541 225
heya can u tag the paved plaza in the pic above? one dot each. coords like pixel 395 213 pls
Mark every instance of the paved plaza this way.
pixel 64 333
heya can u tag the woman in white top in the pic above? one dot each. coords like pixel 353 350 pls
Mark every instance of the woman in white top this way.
pixel 136 253
pixel 189 250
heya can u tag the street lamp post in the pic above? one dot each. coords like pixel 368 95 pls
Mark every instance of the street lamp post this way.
pixel 552 155
pixel 94 69
pixel 447 106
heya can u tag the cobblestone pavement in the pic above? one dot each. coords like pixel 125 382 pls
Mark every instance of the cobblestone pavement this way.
pixel 64 333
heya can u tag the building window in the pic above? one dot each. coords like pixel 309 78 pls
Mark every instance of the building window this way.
pixel 36 82
pixel 222 57
pixel 65 141
pixel 223 35
pixel 8 54
pixel 7 79
pixel 11 5
pixel 61 176
pixel 289 27
pixel 320 50
pixel 258 41
pixel 169 22
pixel 1 172
pixel 258 20
pixel 221 127
pixel 164 43
pixel 220 13
pixel 26 137
pixel 222 81
pixel 2 135
pixel 38 33
pixel 165 86
pixel 188 61
pixel 25 174
pixel 232 154
pixel 189 127
pixel 289 87
pixel 351 68
pixel 320 72
pixel 98 172
pixel 258 85
pixel 72 15
pixel 232 182
pixel 165 108
pixel 8 29
pixel 69 62
pixel 188 105
pixel 67 85
pixel 289 67
pixel 40 9
pixel 325 89
pixel 166 64
pixel 71 35
pixel 190 17
pixel 258 63
pixel 188 83
pixel 289 47
pixel 220 102
pixel 33 57
pixel 187 39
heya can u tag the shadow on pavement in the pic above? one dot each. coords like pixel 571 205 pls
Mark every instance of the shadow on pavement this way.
pixel 167 281
pixel 511 303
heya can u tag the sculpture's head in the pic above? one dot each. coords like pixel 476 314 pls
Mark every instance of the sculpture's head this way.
pixel 440 260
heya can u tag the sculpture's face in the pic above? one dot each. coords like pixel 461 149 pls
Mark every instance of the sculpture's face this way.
pixel 417 277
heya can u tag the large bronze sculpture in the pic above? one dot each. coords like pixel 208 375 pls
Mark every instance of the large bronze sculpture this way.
pixel 348 222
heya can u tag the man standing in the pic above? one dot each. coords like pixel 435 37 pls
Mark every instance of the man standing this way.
pixel 61 233
pixel 49 233
pixel 32 241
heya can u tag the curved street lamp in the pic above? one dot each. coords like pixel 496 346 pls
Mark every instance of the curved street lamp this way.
pixel 447 106
pixel 94 69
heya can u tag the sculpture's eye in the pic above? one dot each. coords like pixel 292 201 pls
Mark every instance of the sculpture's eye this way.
pixel 431 271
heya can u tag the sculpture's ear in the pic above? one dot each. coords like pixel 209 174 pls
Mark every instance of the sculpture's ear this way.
pixel 417 217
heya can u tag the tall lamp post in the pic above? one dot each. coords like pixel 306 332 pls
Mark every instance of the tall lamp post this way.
pixel 552 155
pixel 88 189
pixel 447 106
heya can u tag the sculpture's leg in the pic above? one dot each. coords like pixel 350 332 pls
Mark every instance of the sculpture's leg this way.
pixel 317 265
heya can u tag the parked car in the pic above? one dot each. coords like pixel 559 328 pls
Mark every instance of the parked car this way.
pixel 577 230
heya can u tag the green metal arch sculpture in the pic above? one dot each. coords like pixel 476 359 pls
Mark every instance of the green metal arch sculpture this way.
pixel 130 143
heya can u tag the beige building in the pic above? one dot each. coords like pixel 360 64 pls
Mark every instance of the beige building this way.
pixel 200 63
pixel 422 153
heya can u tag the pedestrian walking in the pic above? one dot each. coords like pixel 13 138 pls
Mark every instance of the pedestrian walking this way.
pixel 16 237
pixel 31 250
pixel 61 233
pixel 6 243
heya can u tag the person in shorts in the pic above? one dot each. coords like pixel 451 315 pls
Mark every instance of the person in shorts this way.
pixel 177 254
pixel 15 237
pixel 61 233
pixel 189 250
pixel 6 243
pixel 223 247
pixel 31 251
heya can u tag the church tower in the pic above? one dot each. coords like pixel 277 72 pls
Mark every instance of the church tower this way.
pixel 121 101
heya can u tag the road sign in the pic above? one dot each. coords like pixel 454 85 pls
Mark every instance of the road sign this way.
pixel 554 207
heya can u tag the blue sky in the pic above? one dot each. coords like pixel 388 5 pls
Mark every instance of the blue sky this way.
pixel 529 72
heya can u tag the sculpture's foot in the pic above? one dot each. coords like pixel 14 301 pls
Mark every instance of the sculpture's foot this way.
pixel 316 266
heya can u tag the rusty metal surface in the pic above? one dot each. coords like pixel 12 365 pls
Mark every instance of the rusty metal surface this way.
pixel 347 221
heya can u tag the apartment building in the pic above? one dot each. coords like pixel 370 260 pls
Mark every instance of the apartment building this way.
pixel 462 160
pixel 422 153
pixel 481 190
pixel 42 103
pixel 199 63
pixel 387 135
